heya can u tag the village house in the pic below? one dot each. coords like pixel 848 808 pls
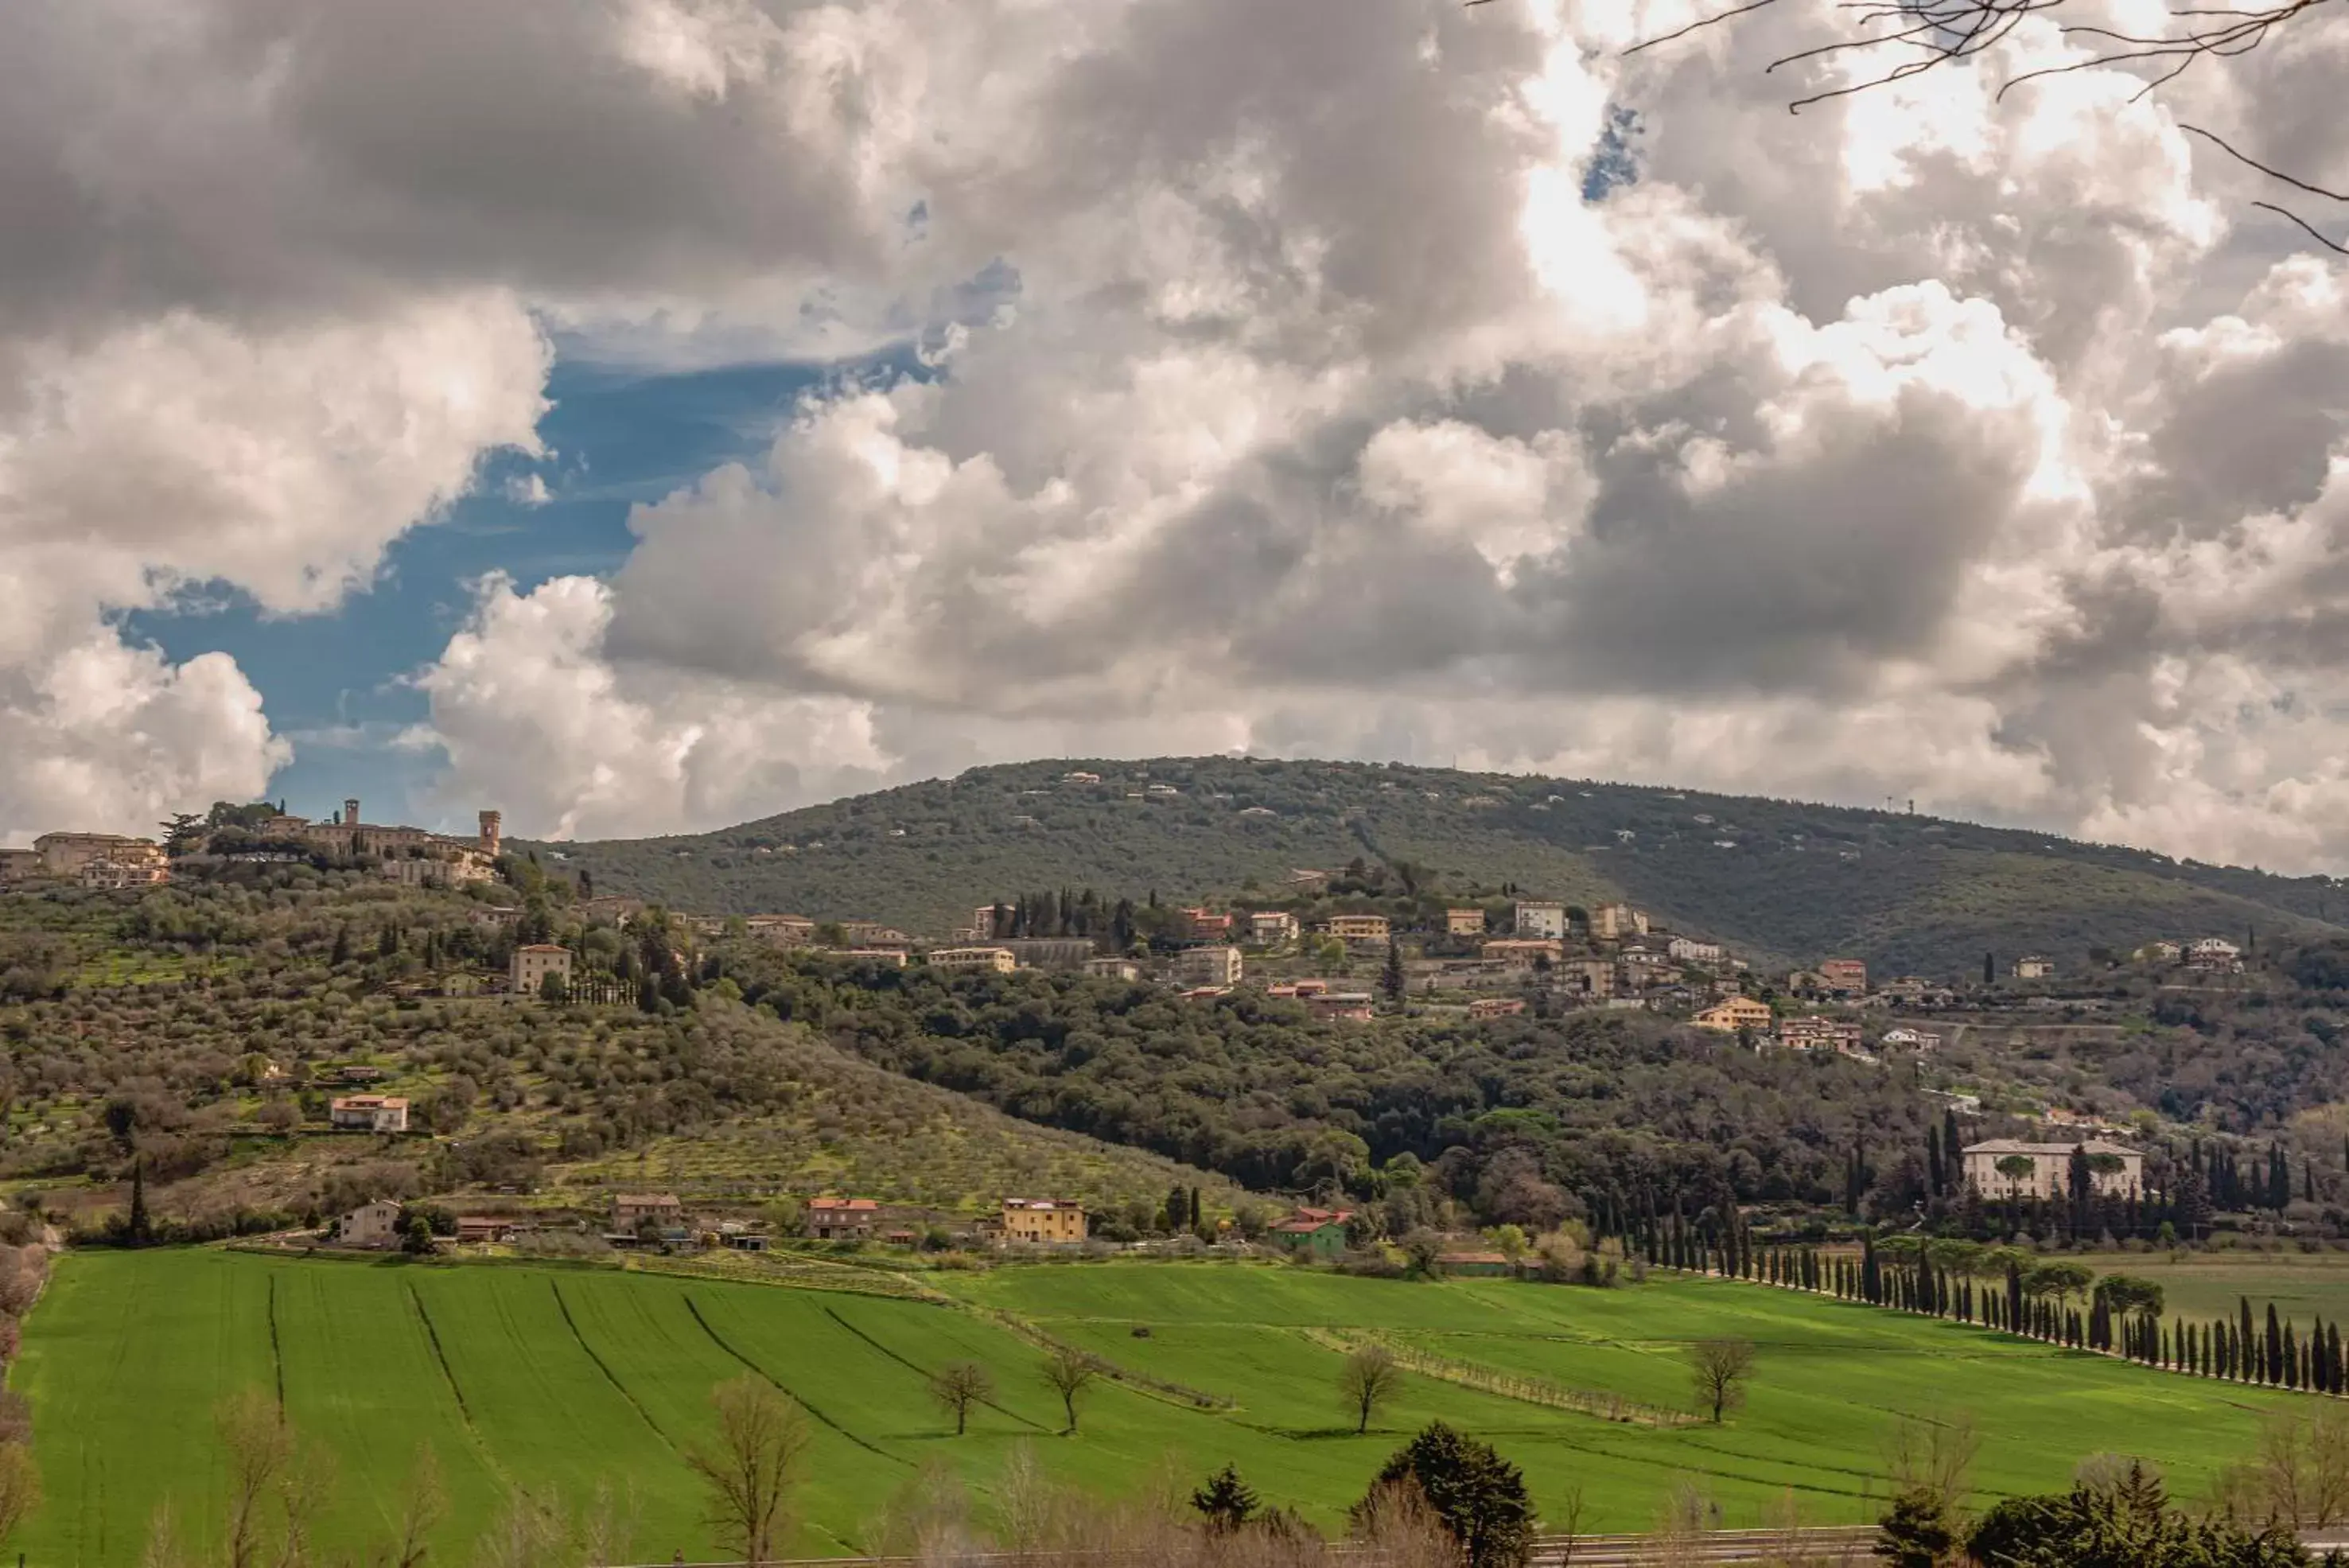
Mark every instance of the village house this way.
pixel 1043 1221
pixel 63 854
pixel 2034 966
pixel 1205 926
pixel 1915 991
pixel 1912 1038
pixel 375 1224
pixel 982 925
pixel 2159 951
pixel 1318 1233
pixel 1113 969
pixel 1586 977
pixel 1202 993
pixel 1644 966
pixel 1463 922
pixel 533 962
pixel 1526 952
pixel 1270 928
pixel 483 1228
pixel 630 1211
pixel 2214 955
pixel 2005 1168
pixel 1739 1012
pixel 1497 1007
pixel 19 866
pixel 1538 920
pixel 841 1219
pixel 782 930
pixel 1306 882
pixel 1363 928
pixel 1066 954
pixel 1208 966
pixel 973 960
pixel 368 1113
pixel 1617 922
pixel 1813 1032
pixel 135 863
pixel 1843 977
pixel 1688 950
pixel 1080 777
pixel 889 958
pixel 1339 1007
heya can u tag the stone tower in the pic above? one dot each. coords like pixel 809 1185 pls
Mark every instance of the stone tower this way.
pixel 351 812
pixel 491 834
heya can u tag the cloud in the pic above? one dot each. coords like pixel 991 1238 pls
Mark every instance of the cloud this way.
pixel 1285 383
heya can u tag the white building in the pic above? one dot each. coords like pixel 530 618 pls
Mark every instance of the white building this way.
pixel 1208 966
pixel 1540 921
pixel 375 1224
pixel 1688 950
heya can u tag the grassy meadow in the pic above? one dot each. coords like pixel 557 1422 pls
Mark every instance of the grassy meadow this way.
pixel 566 1379
pixel 2204 1286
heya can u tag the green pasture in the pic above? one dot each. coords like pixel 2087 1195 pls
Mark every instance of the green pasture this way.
pixel 562 1381
pixel 2204 1286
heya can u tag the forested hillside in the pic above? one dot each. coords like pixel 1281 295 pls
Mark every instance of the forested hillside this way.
pixel 1782 881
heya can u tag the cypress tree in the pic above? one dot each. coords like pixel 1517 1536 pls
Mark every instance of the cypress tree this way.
pixel 2274 1368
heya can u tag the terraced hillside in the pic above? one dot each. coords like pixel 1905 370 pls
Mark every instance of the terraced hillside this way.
pixel 1780 880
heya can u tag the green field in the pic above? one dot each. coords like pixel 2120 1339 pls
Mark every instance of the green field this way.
pixel 549 1378
pixel 2204 1286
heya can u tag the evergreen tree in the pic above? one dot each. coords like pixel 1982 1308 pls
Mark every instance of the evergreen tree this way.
pixel 1480 1497
pixel 1227 1502
pixel 140 1228
pixel 1390 980
pixel 1989 970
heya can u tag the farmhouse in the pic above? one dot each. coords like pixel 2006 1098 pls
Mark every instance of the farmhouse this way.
pixel 375 1224
pixel 1043 1221
pixel 533 962
pixel 1341 1006
pixel 483 1228
pixel 1474 1264
pixel 2034 966
pixel 1497 1007
pixel 631 1210
pixel 1463 922
pixel 841 1219
pixel 2005 1168
pixel 368 1113
pixel 1312 1232
pixel 1817 1033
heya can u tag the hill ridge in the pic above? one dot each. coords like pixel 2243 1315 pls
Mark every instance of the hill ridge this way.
pixel 1783 880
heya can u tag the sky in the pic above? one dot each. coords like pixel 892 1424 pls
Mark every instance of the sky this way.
pixel 644 415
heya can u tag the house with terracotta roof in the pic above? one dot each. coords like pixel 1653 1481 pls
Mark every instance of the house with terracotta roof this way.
pixel 1318 1233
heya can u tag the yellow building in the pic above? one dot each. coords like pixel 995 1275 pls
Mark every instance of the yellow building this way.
pixel 1043 1221
pixel 1359 928
pixel 1738 1013
pixel 975 961
pixel 1616 922
pixel 1463 922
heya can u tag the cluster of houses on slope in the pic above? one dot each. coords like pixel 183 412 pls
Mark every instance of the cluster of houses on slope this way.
pixel 662 1219
pixel 89 859
pixel 412 855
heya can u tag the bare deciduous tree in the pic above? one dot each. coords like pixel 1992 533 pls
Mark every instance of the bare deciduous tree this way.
pixel 20 1487
pixel 1909 37
pixel 1721 1368
pixel 1068 1371
pixel 959 1387
pixel 2297 1478
pixel 1933 1456
pixel 752 1464
pixel 423 1504
pixel 1367 1380
pixel 257 1445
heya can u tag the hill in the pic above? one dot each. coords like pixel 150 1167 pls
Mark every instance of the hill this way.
pixel 1781 881
pixel 198 1031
